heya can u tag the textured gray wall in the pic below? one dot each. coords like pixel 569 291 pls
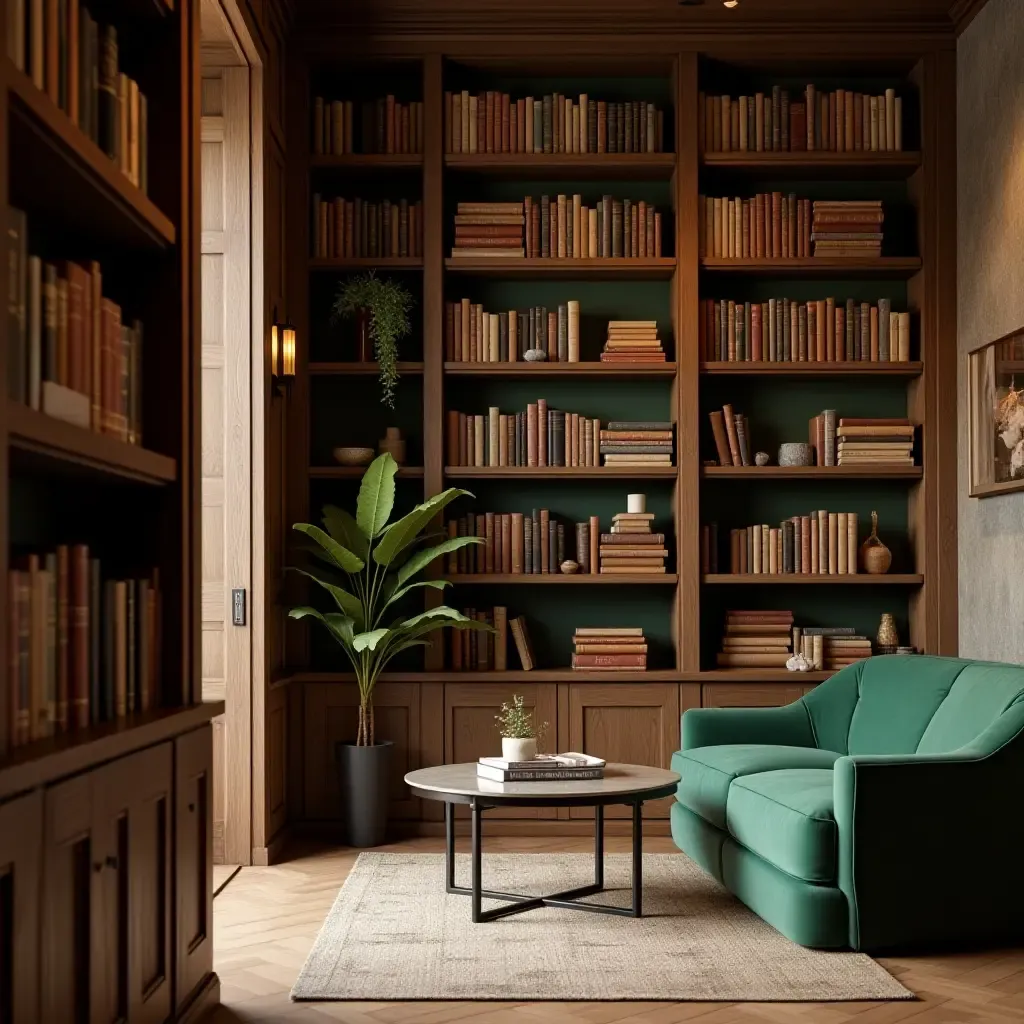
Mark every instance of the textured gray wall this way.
pixel 990 303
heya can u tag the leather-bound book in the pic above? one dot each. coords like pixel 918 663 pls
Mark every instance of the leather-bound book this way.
pixel 721 438
pixel 542 540
pixel 516 543
pixel 528 563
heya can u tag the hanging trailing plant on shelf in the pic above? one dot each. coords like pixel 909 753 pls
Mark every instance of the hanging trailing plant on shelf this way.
pixel 386 306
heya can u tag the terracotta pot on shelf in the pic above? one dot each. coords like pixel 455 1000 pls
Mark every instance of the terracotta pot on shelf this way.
pixel 875 557
pixel 393 443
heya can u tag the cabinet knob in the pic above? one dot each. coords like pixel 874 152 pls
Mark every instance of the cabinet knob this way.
pixel 111 862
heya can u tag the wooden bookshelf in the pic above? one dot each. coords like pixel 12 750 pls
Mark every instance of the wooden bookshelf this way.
pixel 561 579
pixel 810 369
pixel 356 472
pixel 576 166
pixel 873 472
pixel 824 165
pixel 816 266
pixel 553 369
pixel 892 579
pixel 639 269
pixel 332 369
pixel 362 263
pixel 562 472
pixel 367 163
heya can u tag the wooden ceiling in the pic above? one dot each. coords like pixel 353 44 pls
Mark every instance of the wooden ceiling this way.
pixel 636 17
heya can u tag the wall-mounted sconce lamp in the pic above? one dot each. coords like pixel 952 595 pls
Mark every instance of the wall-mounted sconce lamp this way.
pixel 282 355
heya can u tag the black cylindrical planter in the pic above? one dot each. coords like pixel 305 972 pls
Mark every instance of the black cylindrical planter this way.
pixel 363 774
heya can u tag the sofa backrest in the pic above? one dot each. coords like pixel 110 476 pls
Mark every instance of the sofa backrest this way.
pixel 905 704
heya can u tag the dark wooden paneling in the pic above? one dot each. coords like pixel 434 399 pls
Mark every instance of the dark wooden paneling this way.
pixel 750 695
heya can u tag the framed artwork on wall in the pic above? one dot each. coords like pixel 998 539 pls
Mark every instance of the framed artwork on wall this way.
pixel 996 416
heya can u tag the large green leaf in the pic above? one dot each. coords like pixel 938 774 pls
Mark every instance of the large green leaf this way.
pixel 341 626
pixel 376 495
pixel 348 603
pixel 423 558
pixel 369 641
pixel 442 611
pixel 345 530
pixel 405 531
pixel 341 556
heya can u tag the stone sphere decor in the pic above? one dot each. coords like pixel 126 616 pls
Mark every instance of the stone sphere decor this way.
pixel 762 459
pixel 535 355
pixel 569 567
pixel 795 453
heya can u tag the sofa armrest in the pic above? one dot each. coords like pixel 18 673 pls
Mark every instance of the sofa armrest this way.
pixel 788 726
pixel 929 844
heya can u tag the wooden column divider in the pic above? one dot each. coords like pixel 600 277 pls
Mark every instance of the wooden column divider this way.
pixel 685 306
pixel 433 308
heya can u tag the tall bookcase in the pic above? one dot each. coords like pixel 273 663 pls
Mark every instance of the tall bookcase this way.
pixel 435 714
pixel 105 826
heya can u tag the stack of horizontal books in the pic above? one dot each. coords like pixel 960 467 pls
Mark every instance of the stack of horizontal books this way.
pixel 831 647
pixel 610 649
pixel 640 443
pixel 847 228
pixel 888 442
pixel 569 767
pixel 489 230
pixel 756 639
pixel 633 341
pixel 632 547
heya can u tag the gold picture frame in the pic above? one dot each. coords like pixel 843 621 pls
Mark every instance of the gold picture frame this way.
pixel 996 416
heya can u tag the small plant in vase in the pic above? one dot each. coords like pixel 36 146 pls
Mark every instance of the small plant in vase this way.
pixel 519 734
pixel 381 309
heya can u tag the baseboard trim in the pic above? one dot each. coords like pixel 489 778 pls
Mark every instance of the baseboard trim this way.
pixel 273 852
pixel 332 830
pixel 204 1002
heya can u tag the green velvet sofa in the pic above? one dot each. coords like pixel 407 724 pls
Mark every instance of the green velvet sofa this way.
pixel 883 810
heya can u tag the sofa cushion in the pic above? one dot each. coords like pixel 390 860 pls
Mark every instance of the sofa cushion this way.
pixel 786 818
pixel 707 772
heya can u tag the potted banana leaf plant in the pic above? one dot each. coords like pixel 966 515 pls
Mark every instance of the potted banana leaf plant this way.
pixel 366 564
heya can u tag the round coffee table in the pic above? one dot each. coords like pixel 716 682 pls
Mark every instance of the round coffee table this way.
pixel 629 784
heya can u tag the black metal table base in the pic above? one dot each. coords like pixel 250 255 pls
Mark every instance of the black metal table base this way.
pixel 569 899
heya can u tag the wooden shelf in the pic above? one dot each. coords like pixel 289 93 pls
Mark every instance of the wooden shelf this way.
pixel 546 369
pixel 816 164
pixel 549 579
pixel 878 472
pixel 367 163
pixel 71 450
pixel 570 472
pixel 358 369
pixel 43 761
pixel 811 369
pixel 762 675
pixel 816 266
pixel 536 675
pixel 652 269
pixel 61 175
pixel 366 263
pixel 580 166
pixel 907 579
pixel 356 472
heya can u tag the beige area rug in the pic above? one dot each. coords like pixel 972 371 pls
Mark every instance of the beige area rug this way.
pixel 394 933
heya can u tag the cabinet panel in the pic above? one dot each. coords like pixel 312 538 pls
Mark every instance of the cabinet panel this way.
pixel 193 793
pixel 633 724
pixel 21 845
pixel 750 695
pixel 470 731
pixel 332 716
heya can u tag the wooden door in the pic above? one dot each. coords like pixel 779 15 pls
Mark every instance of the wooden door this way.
pixel 226 448
pixel 193 864
pixel 470 731
pixel 750 695
pixel 78 955
pixel 21 849
pixel 633 724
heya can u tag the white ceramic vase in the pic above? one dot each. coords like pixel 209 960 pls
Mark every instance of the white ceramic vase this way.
pixel 515 749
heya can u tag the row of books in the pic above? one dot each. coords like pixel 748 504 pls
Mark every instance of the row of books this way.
pixel 731 431
pixel 383 125
pixel 787 330
pixel 632 548
pixel 632 341
pixel 638 443
pixel 472 335
pixel 830 647
pixel 822 543
pixel 874 441
pixel 839 121
pixel 537 437
pixel 571 767
pixel 493 122
pixel 756 639
pixel 74 60
pixel 519 544
pixel 609 649
pixel 770 225
pixel 68 352
pixel 847 227
pixel 358 228
pixel 83 647
pixel 487 651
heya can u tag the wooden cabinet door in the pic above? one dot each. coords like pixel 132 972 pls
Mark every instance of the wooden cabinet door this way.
pixel 193 821
pixel 76 982
pixel 332 714
pixel 21 847
pixel 470 731
pixel 750 695
pixel 630 723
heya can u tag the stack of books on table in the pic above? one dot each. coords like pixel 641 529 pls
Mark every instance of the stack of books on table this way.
pixel 631 547
pixel 633 341
pixel 610 649
pixel 641 443
pixel 847 228
pixel 887 442
pixel 831 647
pixel 485 230
pixel 756 639
pixel 570 767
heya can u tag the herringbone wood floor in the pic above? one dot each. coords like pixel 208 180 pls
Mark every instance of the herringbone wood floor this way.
pixel 267 918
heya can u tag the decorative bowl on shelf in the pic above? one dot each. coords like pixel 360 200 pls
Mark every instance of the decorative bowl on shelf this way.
pixel 795 453
pixel 353 456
